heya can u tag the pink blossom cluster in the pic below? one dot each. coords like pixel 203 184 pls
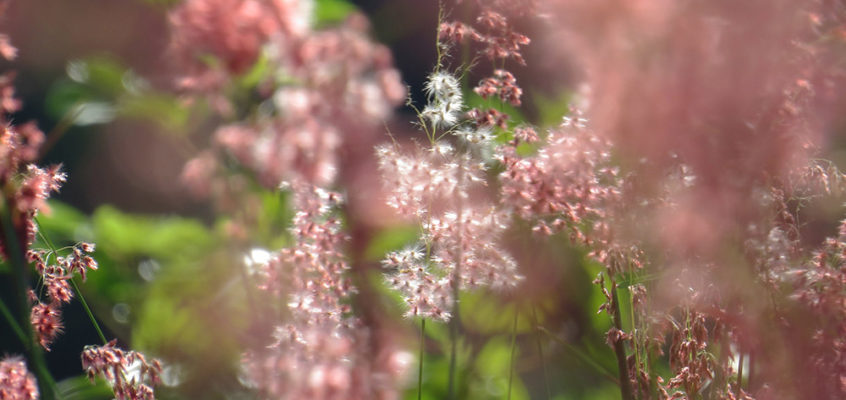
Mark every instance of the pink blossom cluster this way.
pixel 499 42
pixel 16 382
pixel 213 40
pixel 46 318
pixel 321 351
pixel 26 188
pixel 460 229
pixel 569 182
pixel 325 91
pixel 129 373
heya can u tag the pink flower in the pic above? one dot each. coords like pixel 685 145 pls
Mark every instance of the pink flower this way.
pixel 16 382
pixel 114 364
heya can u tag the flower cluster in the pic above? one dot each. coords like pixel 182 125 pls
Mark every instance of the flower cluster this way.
pixel 499 43
pixel 46 317
pixel 16 383
pixel 129 373
pixel 570 181
pixel 213 40
pixel 322 91
pixel 442 187
pixel 26 188
pixel 321 351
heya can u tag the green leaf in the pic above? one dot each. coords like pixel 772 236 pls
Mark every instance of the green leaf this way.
pixel 493 364
pixel 163 109
pixel 258 72
pixel 158 237
pixel 64 221
pixel 552 109
pixel 391 239
pixel 80 388
pixel 327 12
pixel 473 100
pixel 486 313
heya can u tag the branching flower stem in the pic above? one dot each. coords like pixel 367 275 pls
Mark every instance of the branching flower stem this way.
pixel 76 290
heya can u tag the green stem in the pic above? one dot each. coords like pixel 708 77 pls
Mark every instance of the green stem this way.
pixel 453 356
pixel 619 350
pixel 420 363
pixel 88 311
pixel 456 283
pixel 13 323
pixel 540 352
pixel 513 347
pixel 46 385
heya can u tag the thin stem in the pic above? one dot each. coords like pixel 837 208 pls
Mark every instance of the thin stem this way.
pixel 420 363
pixel 619 350
pixel 13 323
pixel 540 352
pixel 513 347
pixel 88 311
pixel 456 283
pixel 453 333
pixel 441 17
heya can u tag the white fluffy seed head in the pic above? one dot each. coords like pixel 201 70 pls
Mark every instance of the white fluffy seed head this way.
pixel 443 87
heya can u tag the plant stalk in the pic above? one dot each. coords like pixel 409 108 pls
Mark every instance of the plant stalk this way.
pixel 540 352
pixel 420 363
pixel 46 385
pixel 513 347
pixel 619 350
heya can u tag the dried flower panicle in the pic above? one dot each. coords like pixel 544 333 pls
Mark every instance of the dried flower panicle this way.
pixel 16 382
pixel 129 373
